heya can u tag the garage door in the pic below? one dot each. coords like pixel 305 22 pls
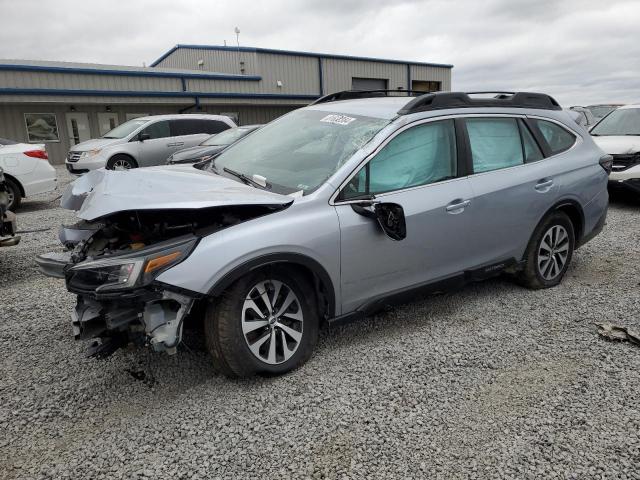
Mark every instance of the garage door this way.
pixel 369 83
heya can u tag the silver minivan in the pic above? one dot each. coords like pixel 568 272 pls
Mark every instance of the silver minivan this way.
pixel 144 141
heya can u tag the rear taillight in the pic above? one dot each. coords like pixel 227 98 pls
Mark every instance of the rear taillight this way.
pixel 42 154
pixel 606 162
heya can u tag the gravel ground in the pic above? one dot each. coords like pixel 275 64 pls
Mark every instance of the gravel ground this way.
pixel 492 381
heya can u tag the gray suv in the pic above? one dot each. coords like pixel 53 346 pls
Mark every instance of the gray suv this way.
pixel 329 213
pixel 144 141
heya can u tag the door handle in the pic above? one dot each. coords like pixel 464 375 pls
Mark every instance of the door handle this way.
pixel 457 206
pixel 175 144
pixel 544 185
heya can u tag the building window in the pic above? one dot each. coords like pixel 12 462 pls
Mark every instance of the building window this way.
pixel 426 86
pixel 358 83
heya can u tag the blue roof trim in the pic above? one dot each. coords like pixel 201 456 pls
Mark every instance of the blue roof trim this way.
pixel 296 54
pixel 126 73
pixel 133 93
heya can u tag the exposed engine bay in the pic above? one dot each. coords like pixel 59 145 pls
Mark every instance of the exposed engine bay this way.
pixel 111 262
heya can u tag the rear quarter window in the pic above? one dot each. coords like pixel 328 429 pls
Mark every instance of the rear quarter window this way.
pixel 193 126
pixel 557 138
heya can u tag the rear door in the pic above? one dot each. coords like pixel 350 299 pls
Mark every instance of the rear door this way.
pixel 155 149
pixel 189 132
pixel 417 169
pixel 512 185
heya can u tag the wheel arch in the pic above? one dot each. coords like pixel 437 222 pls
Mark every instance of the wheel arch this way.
pixel 317 274
pixel 17 182
pixel 573 210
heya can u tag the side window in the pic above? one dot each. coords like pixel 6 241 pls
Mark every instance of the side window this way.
pixel 495 143
pixel 532 152
pixel 418 156
pixel 557 137
pixel 158 130
pixel 213 126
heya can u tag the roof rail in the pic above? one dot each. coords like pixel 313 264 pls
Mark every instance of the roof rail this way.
pixel 442 100
pixel 351 94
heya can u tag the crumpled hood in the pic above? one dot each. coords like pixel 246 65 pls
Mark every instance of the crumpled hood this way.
pixel 196 152
pixel 95 144
pixel 618 144
pixel 102 192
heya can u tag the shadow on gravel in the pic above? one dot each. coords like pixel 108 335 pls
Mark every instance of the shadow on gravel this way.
pixel 624 199
pixel 29 206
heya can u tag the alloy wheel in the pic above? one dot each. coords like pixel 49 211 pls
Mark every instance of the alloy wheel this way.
pixel 121 165
pixel 272 321
pixel 553 252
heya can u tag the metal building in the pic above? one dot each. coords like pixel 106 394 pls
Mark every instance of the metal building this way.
pixel 62 103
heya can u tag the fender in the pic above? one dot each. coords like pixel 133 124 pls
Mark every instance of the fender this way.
pixel 279 258
pixel 566 202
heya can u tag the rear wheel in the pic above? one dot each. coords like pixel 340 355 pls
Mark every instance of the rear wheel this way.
pixel 121 162
pixel 266 322
pixel 15 196
pixel 549 252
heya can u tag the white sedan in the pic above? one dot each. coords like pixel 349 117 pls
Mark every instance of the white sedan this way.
pixel 26 170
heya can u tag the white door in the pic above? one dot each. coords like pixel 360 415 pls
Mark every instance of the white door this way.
pixel 78 128
pixel 107 121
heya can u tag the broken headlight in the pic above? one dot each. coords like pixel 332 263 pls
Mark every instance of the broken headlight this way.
pixel 131 270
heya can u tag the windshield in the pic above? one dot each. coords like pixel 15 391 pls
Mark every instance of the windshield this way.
pixel 227 137
pixel 125 129
pixel 300 150
pixel 601 111
pixel 625 121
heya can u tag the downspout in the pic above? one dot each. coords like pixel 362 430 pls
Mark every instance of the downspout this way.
pixel 320 75
pixel 408 76
pixel 197 99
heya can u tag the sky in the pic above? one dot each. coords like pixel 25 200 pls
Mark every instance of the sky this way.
pixel 579 51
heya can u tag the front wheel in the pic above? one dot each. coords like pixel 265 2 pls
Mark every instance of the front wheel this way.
pixel 121 162
pixel 549 252
pixel 266 322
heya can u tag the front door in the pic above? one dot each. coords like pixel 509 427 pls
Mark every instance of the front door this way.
pixel 78 127
pixel 416 169
pixel 155 149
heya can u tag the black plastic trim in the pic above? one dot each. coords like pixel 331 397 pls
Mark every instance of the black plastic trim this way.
pixel 463 147
pixel 445 100
pixel 279 258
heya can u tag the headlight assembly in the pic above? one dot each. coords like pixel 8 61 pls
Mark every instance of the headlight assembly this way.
pixel 132 270
pixel 89 154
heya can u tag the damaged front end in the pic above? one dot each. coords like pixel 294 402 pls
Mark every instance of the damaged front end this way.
pixel 111 263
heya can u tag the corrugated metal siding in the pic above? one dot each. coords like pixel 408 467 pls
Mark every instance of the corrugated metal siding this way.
pixel 337 74
pixel 72 81
pixel 442 75
pixel 214 61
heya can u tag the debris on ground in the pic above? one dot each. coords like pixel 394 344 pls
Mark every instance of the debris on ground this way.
pixel 615 333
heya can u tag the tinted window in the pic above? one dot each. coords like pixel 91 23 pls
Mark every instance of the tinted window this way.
pixel 557 137
pixel 418 156
pixel 495 143
pixel 194 126
pixel 157 130
pixel 532 152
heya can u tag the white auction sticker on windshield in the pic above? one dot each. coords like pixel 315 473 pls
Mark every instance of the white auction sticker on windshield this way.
pixel 338 119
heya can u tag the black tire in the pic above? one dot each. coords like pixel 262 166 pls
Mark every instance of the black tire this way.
pixel 16 195
pixel 223 326
pixel 121 159
pixel 533 274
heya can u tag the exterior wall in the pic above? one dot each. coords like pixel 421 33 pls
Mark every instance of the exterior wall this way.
pixel 12 122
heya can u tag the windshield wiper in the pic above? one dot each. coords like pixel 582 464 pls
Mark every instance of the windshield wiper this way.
pixel 247 179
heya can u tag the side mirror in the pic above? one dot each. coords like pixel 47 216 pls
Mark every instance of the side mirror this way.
pixel 143 136
pixel 390 217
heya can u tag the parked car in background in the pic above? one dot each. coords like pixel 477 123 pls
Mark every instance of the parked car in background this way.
pixel 600 111
pixel 7 218
pixel 144 141
pixel 583 116
pixel 618 134
pixel 329 213
pixel 27 171
pixel 212 146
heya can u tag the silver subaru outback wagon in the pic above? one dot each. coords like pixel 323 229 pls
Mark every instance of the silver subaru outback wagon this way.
pixel 326 214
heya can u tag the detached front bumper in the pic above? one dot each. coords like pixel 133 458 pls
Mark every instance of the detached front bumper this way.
pixel 152 315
